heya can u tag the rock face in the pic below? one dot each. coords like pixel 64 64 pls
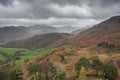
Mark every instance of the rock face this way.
pixel 108 30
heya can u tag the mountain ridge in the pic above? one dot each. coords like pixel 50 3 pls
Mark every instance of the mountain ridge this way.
pixel 108 30
pixel 39 41
pixel 12 33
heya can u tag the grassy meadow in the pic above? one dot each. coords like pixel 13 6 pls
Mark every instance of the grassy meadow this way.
pixel 23 53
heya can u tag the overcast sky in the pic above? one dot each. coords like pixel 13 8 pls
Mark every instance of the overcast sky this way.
pixel 57 12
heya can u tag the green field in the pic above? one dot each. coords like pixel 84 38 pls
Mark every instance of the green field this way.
pixel 25 53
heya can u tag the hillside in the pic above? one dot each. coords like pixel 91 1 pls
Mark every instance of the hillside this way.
pixel 108 30
pixel 12 33
pixel 41 41
pixel 63 54
pixel 76 32
pixel 41 29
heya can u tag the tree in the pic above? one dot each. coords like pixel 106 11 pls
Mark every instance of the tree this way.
pixel 110 71
pixel 82 62
pixel 62 58
pixel 97 65
pixel 13 75
pixel 34 68
pixel 82 75
pixel 2 75
pixel 60 76
pixel 47 70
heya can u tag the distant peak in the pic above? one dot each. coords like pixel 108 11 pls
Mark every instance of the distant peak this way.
pixel 115 18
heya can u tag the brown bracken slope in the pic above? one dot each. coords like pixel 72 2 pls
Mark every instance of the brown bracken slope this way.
pixel 108 30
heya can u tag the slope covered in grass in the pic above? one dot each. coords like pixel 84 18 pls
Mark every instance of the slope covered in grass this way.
pixel 21 53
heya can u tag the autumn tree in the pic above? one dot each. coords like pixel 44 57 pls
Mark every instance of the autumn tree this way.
pixel 47 71
pixel 82 75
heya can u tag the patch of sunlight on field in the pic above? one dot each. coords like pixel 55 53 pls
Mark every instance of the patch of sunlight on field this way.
pixel 2 58
pixel 10 51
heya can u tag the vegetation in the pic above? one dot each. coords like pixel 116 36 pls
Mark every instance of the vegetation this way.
pixel 42 67
pixel 47 70
pixel 19 53
pixel 82 62
pixel 109 46
pixel 14 75
pixel 34 68
pixel 60 76
pixel 97 65
pixel 111 72
pixel 82 75
pixel 107 71
pixel 32 60
pixel 2 75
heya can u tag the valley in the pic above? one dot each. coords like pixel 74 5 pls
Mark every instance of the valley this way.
pixel 87 54
pixel 59 39
pixel 64 58
pixel 10 55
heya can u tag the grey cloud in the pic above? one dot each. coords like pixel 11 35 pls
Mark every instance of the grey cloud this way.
pixel 64 2
pixel 55 8
pixel 59 9
pixel 109 2
pixel 51 21
pixel 6 2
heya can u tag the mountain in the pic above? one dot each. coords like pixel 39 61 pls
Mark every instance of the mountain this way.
pixel 108 30
pixel 42 29
pixel 67 29
pixel 41 41
pixel 76 32
pixel 12 33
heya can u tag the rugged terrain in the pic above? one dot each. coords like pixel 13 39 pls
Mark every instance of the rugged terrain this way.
pixel 43 55
pixel 41 41
pixel 108 30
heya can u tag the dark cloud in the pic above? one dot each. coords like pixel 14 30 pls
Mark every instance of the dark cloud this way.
pixel 64 2
pixel 109 2
pixel 6 2
pixel 59 9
